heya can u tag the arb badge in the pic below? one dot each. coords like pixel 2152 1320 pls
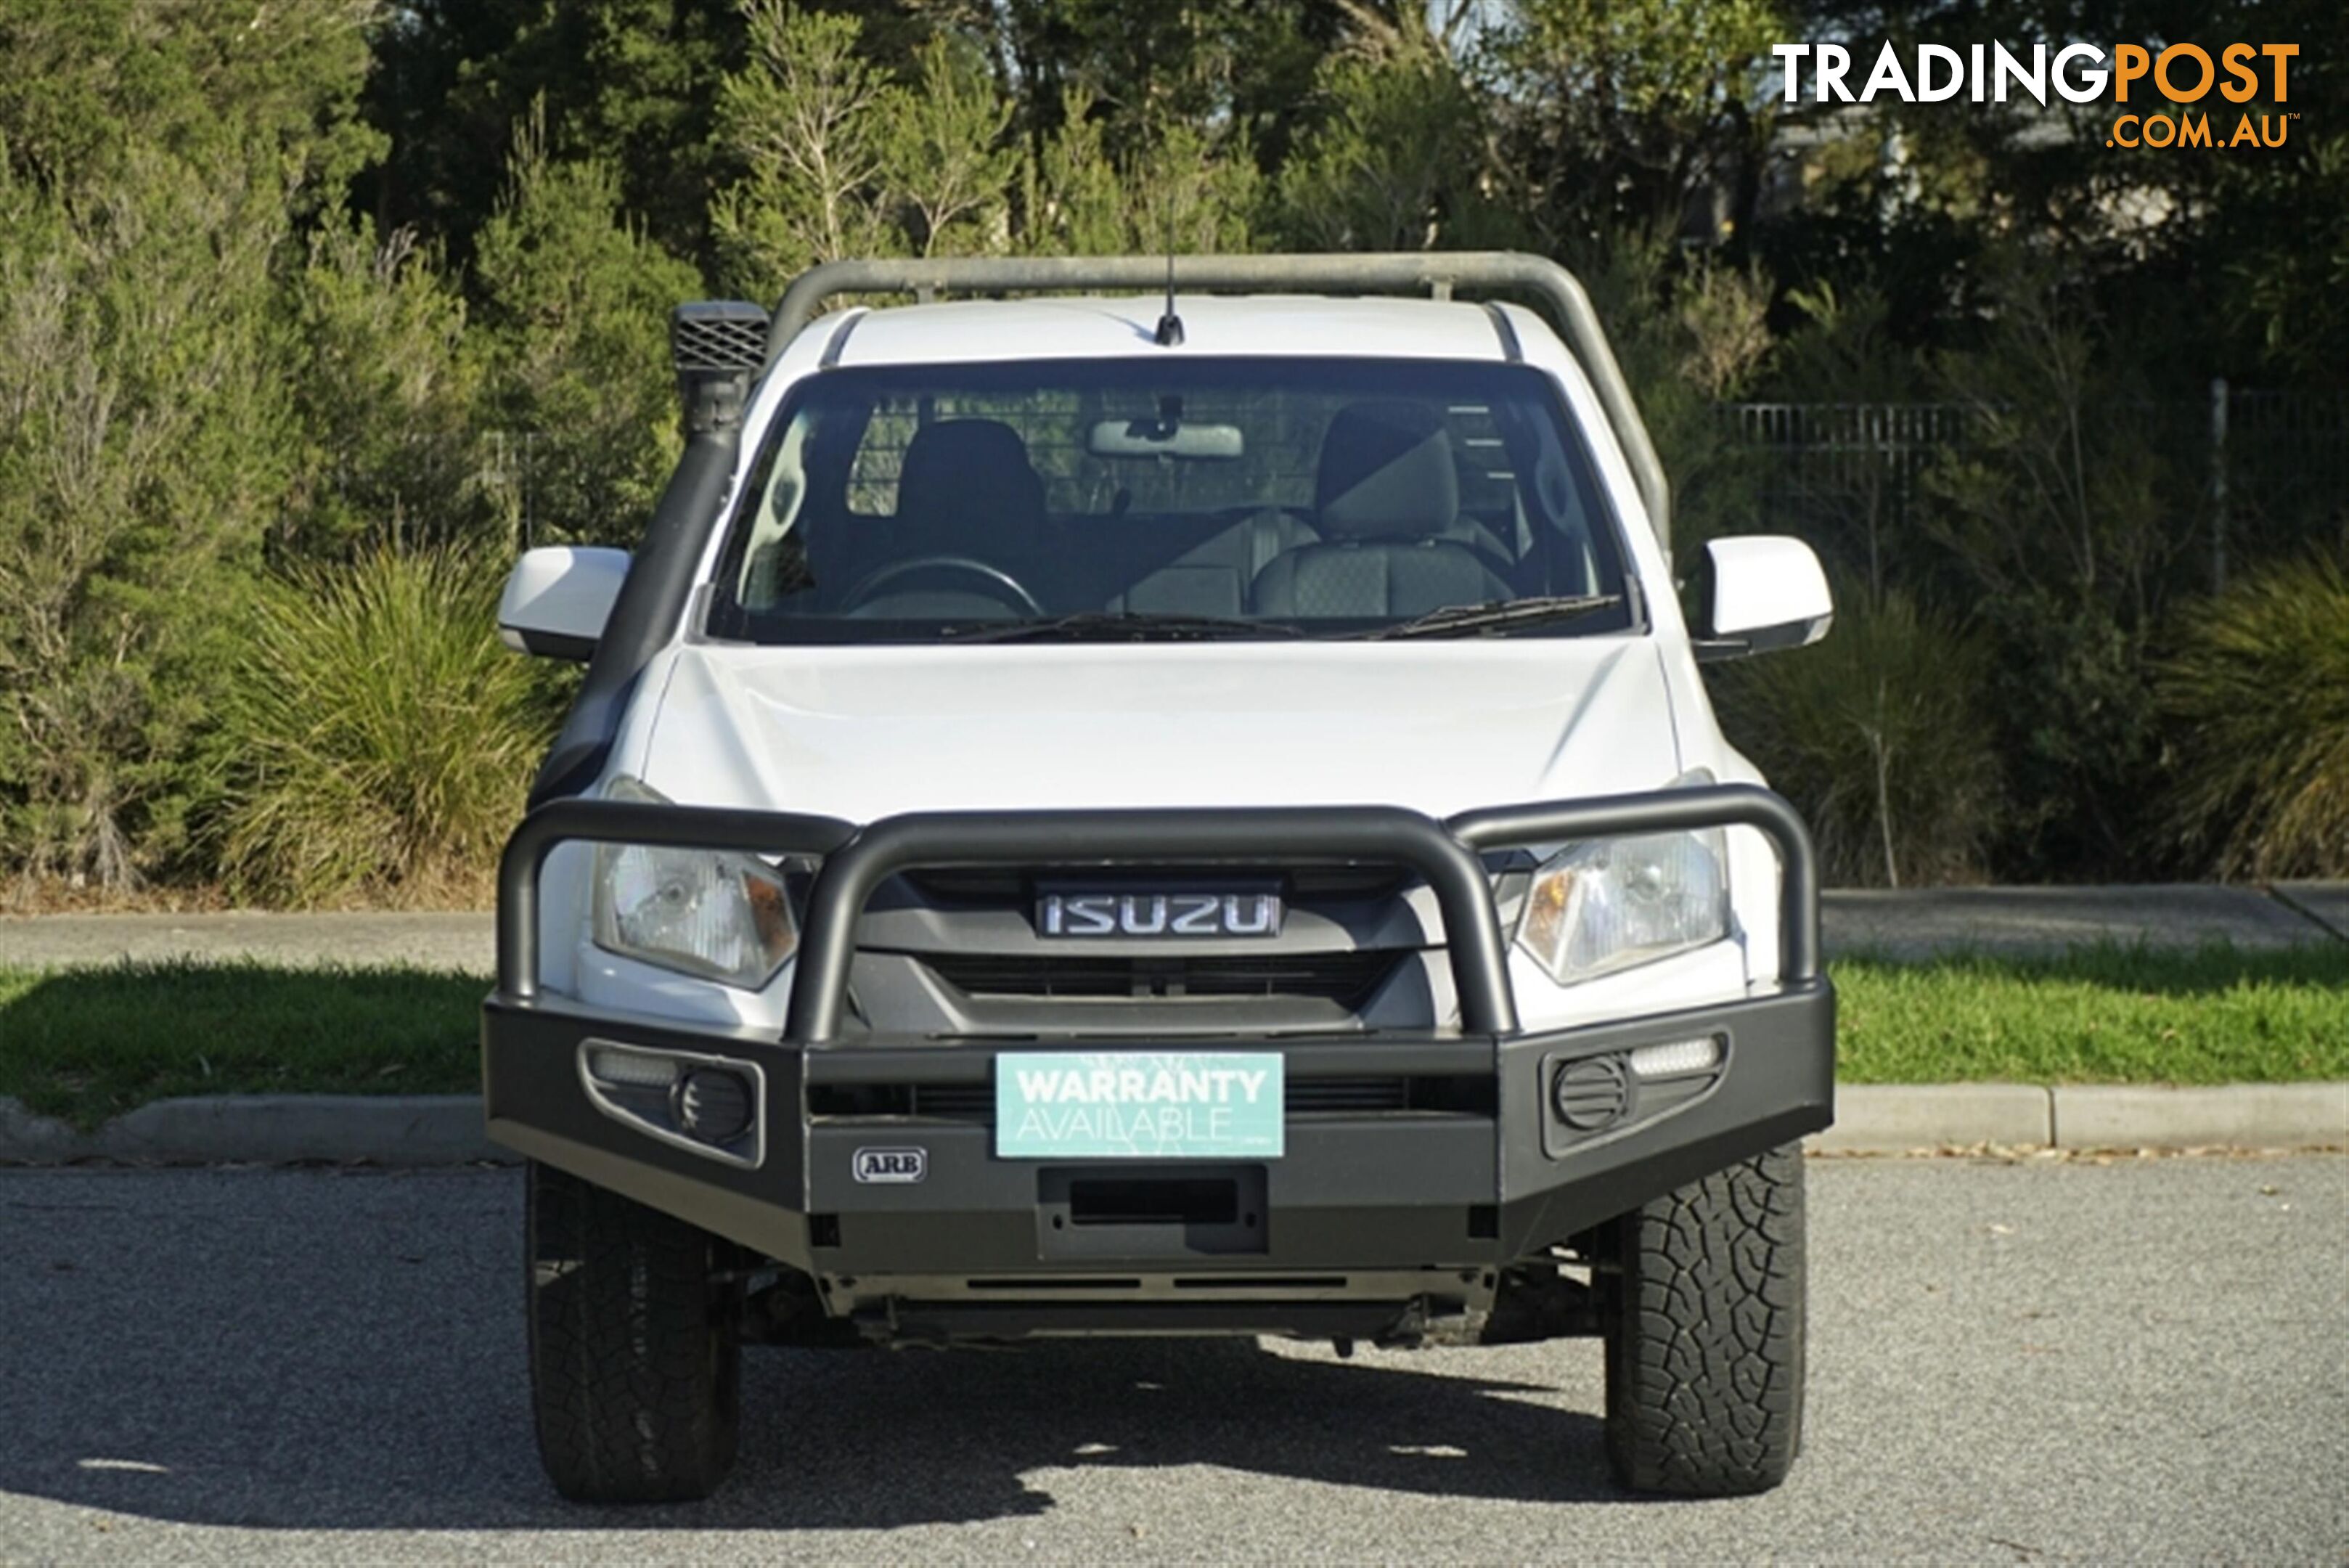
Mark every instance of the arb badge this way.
pixel 892 1165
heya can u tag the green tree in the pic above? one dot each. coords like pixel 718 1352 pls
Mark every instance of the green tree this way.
pixel 631 84
pixel 1687 337
pixel 389 384
pixel 1844 356
pixel 1400 159
pixel 147 436
pixel 1241 69
pixel 1075 198
pixel 91 83
pixel 803 117
pixel 945 159
pixel 576 300
pixel 844 161
pixel 1624 113
pixel 1191 188
pixel 2054 518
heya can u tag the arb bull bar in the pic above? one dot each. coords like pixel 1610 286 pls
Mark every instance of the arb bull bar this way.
pixel 1480 1179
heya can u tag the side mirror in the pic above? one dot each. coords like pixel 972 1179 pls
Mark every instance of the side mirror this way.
pixel 558 599
pixel 1768 592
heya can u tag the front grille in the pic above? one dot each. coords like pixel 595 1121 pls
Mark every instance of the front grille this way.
pixel 1363 1095
pixel 1347 978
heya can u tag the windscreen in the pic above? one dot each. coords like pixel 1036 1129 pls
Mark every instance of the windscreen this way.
pixel 1169 497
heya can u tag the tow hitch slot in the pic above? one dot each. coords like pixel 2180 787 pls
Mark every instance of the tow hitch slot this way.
pixel 1169 1200
pixel 1150 1211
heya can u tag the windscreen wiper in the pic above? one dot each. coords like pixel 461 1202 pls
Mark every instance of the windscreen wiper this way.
pixel 1116 626
pixel 1498 615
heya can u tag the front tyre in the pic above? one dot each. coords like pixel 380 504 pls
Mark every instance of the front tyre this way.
pixel 635 1359
pixel 1704 1332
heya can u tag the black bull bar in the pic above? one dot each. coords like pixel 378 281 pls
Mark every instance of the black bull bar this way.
pixel 856 861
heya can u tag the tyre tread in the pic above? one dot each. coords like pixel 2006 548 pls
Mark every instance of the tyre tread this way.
pixel 635 1367
pixel 1705 1352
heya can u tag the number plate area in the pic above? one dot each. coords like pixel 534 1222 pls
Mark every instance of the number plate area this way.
pixel 1139 1105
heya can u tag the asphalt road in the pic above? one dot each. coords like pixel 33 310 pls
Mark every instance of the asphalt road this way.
pixel 2011 1362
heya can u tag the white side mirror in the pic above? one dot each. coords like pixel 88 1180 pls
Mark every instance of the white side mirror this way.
pixel 558 599
pixel 1768 592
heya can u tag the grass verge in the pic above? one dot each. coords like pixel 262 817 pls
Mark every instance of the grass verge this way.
pixel 2103 1014
pixel 89 1044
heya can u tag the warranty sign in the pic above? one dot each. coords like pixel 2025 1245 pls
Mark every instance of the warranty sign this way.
pixel 1135 1105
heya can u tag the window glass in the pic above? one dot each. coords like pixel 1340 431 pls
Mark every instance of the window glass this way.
pixel 1166 496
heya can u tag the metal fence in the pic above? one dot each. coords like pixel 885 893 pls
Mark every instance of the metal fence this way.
pixel 2248 473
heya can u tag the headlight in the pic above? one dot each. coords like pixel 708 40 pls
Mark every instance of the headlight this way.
pixel 727 916
pixel 1596 907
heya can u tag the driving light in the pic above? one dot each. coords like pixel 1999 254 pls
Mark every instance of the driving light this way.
pixel 1677 1059
pixel 631 1069
pixel 1608 905
pixel 724 916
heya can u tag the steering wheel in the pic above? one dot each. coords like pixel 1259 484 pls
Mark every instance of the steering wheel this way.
pixel 995 581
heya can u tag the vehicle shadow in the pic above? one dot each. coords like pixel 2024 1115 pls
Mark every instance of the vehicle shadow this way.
pixel 325 1352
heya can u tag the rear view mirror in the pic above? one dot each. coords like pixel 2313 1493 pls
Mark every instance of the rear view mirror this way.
pixel 1163 438
pixel 558 599
pixel 1768 592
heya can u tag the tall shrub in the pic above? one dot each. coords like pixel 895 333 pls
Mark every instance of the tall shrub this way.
pixel 147 436
pixel 377 740
pixel 2257 692
pixel 2059 515
pixel 1397 160
pixel 1878 734
pixel 575 298
pixel 390 388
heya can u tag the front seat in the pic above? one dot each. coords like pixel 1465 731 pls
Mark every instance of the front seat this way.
pixel 1385 495
pixel 966 488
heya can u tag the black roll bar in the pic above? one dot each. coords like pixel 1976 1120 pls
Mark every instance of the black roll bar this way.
pixel 1479 958
pixel 1665 811
pixel 857 861
pixel 1550 286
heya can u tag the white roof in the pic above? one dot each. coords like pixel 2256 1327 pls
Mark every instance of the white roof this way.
pixel 1219 325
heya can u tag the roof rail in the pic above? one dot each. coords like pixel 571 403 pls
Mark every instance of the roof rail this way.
pixel 1438 273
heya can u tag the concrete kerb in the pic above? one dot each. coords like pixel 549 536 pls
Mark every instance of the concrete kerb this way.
pixel 2257 1115
pixel 2324 905
pixel 1889 1118
pixel 419 1130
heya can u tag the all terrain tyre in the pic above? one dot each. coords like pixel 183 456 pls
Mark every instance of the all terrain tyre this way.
pixel 634 1355
pixel 1704 1320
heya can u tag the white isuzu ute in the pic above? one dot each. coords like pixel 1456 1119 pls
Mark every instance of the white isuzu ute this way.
pixel 1104 810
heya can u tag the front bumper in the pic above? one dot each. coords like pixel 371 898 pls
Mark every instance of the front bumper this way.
pixel 1468 1165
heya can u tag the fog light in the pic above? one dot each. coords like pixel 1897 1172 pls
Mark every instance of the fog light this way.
pixel 1590 1093
pixel 714 1104
pixel 630 1069
pixel 1677 1060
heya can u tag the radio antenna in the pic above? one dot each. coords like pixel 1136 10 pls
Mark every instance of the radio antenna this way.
pixel 1170 325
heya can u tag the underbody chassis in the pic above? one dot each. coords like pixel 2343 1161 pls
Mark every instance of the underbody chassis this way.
pixel 860 1175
